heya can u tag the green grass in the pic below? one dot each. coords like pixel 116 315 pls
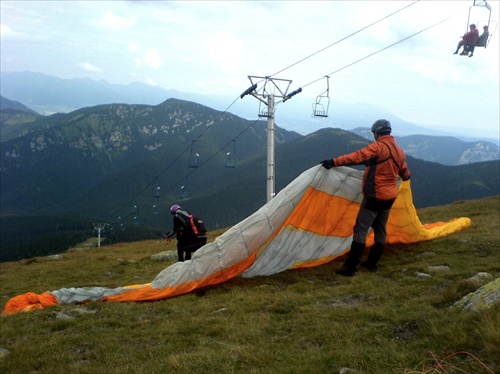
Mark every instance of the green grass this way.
pixel 298 321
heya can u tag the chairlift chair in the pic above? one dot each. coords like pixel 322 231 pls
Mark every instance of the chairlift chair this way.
pixel 481 23
pixel 121 225
pixel 322 101
pixel 194 158
pixel 231 157
pixel 135 214
pixel 184 190
pixel 264 111
pixel 155 193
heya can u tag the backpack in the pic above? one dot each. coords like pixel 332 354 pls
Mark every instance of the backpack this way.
pixel 194 224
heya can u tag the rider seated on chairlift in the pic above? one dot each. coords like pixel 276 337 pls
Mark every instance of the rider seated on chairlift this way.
pixel 469 38
pixel 481 41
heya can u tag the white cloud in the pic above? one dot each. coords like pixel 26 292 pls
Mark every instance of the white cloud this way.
pixel 6 32
pixel 89 67
pixel 117 23
pixel 153 58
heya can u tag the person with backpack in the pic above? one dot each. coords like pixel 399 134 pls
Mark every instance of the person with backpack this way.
pixel 385 161
pixel 189 230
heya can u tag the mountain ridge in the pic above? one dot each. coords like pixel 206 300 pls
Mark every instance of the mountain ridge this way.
pixel 48 94
pixel 105 163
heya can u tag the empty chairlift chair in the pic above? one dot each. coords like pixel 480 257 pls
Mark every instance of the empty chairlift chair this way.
pixel 194 159
pixel 322 103
pixel 231 157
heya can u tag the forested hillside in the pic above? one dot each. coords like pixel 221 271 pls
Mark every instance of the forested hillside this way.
pixel 125 165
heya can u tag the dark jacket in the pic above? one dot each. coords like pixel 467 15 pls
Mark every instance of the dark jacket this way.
pixel 184 235
pixel 384 161
pixel 481 41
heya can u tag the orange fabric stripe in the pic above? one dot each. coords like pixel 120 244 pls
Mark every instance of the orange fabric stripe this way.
pixel 324 214
pixel 28 302
pixel 148 293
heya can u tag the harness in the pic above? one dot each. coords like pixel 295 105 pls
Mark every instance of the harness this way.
pixel 391 157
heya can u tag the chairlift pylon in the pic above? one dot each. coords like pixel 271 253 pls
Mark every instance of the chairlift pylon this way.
pixel 322 103
pixel 231 157
pixel 264 111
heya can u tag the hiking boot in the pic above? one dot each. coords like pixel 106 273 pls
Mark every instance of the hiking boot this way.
pixel 369 266
pixel 346 271
pixel 371 262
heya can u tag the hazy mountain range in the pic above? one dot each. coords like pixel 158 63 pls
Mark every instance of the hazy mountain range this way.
pixel 48 95
pixel 126 164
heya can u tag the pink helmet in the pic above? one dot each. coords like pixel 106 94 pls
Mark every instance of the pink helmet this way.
pixel 174 208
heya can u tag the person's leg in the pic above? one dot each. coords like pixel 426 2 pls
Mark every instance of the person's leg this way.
pixel 350 266
pixel 364 221
pixel 379 229
pixel 180 253
pixel 371 262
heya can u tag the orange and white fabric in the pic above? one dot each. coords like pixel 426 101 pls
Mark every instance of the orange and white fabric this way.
pixel 309 223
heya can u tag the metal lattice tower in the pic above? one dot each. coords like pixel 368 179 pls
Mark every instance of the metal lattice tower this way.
pixel 273 88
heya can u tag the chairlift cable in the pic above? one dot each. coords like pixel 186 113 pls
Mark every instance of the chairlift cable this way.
pixel 344 38
pixel 209 158
pixel 296 63
pixel 376 52
pixel 175 159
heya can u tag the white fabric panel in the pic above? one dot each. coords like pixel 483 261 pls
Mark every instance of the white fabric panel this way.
pixel 292 246
pixel 78 295
pixel 249 235
pixel 241 240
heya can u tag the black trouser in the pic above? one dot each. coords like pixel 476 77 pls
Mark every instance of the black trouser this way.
pixel 184 250
pixel 374 214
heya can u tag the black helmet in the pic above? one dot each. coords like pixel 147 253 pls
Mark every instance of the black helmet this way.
pixel 381 126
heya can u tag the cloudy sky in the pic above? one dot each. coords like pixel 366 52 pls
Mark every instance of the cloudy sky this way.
pixel 211 47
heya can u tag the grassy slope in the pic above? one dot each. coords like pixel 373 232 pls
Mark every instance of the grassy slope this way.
pixel 301 321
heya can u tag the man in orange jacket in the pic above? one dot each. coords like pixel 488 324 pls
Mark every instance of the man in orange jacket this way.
pixel 384 161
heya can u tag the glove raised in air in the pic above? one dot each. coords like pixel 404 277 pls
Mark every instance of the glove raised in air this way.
pixel 327 164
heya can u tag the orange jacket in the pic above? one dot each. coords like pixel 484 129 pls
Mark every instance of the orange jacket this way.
pixel 384 161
